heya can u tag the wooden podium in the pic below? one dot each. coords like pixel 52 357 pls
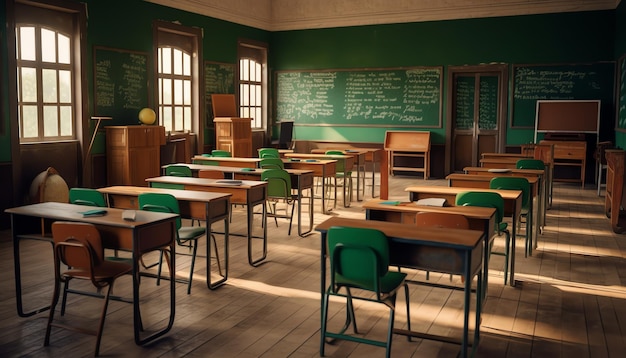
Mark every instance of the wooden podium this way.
pixel 232 133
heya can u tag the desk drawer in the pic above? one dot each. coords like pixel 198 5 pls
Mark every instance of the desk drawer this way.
pixel 569 152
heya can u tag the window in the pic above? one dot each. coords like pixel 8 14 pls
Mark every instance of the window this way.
pixel 174 68
pixel 253 83
pixel 177 72
pixel 46 71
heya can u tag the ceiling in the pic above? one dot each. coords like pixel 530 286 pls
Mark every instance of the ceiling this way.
pixel 281 15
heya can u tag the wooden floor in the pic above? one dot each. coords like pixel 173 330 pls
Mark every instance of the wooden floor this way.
pixel 570 299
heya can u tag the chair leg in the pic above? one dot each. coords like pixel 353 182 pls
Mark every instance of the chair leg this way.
pixel 103 317
pixel 324 323
pixel 408 309
pixel 53 305
pixel 392 314
pixel 64 300
pixel 193 263
pixel 293 208
pixel 507 248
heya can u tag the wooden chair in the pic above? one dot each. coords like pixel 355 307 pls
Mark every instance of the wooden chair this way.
pixel 78 246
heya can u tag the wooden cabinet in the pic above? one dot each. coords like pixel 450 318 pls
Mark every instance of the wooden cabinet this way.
pixel 412 145
pixel 614 187
pixel 234 134
pixel 569 153
pixel 133 153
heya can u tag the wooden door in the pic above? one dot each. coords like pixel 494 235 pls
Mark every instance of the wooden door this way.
pixel 476 114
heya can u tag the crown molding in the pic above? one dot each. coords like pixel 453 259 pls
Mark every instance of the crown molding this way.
pixel 284 15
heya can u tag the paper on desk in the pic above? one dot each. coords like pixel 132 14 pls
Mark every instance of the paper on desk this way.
pixel 431 202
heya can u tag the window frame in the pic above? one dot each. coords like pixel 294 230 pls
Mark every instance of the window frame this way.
pixel 257 51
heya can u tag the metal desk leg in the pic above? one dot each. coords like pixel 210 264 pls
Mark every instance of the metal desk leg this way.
pixel 18 276
pixel 220 282
pixel 256 262
pixel 300 196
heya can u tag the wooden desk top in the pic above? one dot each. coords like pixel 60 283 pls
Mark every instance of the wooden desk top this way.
pixel 309 161
pixel 238 170
pixel 483 178
pixel 509 172
pixel 184 195
pixel 227 159
pixel 452 238
pixel 219 183
pixel 473 212
pixel 319 156
pixel 509 155
pixel 447 190
pixel 72 212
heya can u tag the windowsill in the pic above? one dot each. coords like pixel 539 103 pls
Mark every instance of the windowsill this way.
pixel 51 142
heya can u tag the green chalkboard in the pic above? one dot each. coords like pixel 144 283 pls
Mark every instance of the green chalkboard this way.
pixel 558 82
pixel 360 97
pixel 219 78
pixel 488 103
pixel 464 106
pixel 621 109
pixel 120 84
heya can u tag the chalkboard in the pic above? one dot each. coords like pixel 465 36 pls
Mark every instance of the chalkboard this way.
pixel 488 103
pixel 464 106
pixel 361 97
pixel 558 82
pixel 621 109
pixel 121 84
pixel 219 78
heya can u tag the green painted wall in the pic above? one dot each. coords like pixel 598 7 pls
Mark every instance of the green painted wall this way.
pixel 620 50
pixel 541 39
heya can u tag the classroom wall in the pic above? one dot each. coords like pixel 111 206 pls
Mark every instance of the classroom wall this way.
pixel 620 50
pixel 533 39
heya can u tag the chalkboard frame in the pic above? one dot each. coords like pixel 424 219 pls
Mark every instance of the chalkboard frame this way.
pixel 439 123
pixel 620 93
pixel 149 98
pixel 515 67
pixel 208 106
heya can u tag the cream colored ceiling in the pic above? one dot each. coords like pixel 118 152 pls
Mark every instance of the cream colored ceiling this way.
pixel 278 15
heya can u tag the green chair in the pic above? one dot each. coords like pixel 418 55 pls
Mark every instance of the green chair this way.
pixel 490 200
pixel 220 153
pixel 359 259
pixel 185 235
pixel 178 171
pixel 271 163
pixel 87 196
pixel 522 184
pixel 346 177
pixel 268 153
pixel 279 190
pixel 530 164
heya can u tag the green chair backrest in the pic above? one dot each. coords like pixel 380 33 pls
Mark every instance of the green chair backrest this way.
pixel 359 255
pixel 167 186
pixel 513 183
pixel 87 196
pixel 339 167
pixel 530 164
pixel 483 199
pixel 161 203
pixel 220 153
pixel 178 171
pixel 268 153
pixel 271 163
pixel 278 183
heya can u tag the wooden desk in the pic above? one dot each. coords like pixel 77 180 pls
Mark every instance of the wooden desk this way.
pixel 249 193
pixel 302 180
pixel 614 196
pixel 499 163
pixel 409 247
pixel 516 156
pixel 512 207
pixel 372 155
pixel 321 168
pixel 229 161
pixel 360 157
pixel 150 231
pixel 569 153
pixel 348 165
pixel 544 186
pixel 198 205
pixel 411 144
pixel 482 181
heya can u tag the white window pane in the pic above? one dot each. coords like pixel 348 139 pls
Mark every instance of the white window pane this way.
pixel 65 86
pixel 252 71
pixel 29 127
pixel 178 62
pixel 66 120
pixel 64 49
pixel 48 46
pixel 178 92
pixel 187 112
pixel 186 65
pixel 27 43
pixel 50 121
pixel 28 79
pixel 257 69
pixel 258 95
pixel 187 92
pixel 245 65
pixel 252 95
pixel 167 91
pixel 166 60
pixel 178 119
pixel 167 118
pixel 245 95
pixel 49 84
pixel 258 117
pixel 245 112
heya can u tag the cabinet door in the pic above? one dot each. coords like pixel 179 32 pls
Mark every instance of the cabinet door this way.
pixel 145 164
